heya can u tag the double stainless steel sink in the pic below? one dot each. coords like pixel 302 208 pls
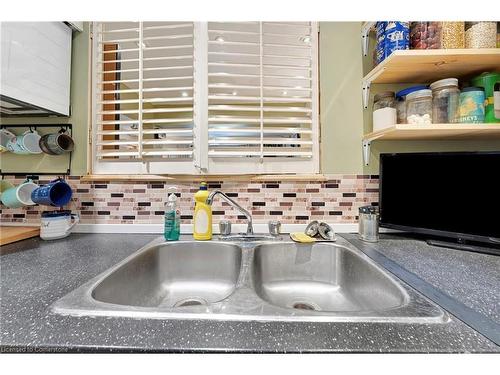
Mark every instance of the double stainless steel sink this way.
pixel 272 280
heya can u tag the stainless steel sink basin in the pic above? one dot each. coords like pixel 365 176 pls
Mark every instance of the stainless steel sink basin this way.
pixel 245 280
pixel 174 275
pixel 322 277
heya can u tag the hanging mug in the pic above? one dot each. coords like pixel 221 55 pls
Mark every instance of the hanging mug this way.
pixel 57 224
pixel 25 144
pixel 57 143
pixel 20 195
pixel 56 193
pixel 5 185
pixel 5 137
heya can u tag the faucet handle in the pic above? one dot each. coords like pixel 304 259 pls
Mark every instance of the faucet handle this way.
pixel 274 227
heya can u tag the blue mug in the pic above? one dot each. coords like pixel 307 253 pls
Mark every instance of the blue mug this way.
pixel 55 193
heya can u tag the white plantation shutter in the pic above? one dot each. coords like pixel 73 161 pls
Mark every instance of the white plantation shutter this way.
pixel 183 97
pixel 262 97
pixel 144 108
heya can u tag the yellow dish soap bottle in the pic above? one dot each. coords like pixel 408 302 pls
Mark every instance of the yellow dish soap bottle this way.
pixel 202 219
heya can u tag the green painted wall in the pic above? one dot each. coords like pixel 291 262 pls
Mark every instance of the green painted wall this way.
pixel 341 114
pixel 78 117
pixel 343 120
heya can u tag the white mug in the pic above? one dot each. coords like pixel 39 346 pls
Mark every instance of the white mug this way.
pixel 5 137
pixel 25 144
pixel 57 224
pixel 18 196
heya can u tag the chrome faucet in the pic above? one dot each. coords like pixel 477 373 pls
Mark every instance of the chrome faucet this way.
pixel 211 197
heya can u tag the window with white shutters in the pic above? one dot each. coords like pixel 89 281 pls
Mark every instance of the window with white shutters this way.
pixel 144 118
pixel 216 98
pixel 262 97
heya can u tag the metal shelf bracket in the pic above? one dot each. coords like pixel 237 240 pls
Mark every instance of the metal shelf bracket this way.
pixel 366 84
pixel 365 35
pixel 366 93
pixel 366 151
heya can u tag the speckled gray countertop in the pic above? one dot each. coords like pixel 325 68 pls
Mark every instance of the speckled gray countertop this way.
pixel 31 280
pixel 471 278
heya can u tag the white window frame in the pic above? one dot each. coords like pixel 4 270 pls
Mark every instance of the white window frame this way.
pixel 201 164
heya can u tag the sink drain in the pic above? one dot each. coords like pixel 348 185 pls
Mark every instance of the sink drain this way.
pixel 190 302
pixel 305 306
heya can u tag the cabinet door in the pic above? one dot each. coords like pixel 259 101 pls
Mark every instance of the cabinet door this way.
pixel 36 64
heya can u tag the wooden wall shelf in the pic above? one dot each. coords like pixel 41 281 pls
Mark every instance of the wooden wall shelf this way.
pixel 444 132
pixel 436 131
pixel 425 66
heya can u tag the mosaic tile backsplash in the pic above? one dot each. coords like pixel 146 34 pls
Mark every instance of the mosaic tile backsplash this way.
pixel 292 202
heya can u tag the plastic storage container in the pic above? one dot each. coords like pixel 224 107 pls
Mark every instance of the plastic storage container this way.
pixel 445 96
pixel 384 110
pixel 380 42
pixel 480 34
pixel 453 35
pixel 471 109
pixel 390 36
pixel 425 35
pixel 401 102
pixel 498 34
pixel 397 36
pixel 490 82
pixel 419 107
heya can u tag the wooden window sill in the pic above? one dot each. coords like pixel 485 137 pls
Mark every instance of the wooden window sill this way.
pixel 274 177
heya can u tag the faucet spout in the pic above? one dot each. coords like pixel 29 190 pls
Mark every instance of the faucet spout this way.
pixel 210 200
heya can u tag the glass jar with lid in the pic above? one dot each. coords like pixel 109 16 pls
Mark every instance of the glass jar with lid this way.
pixel 419 107
pixel 453 34
pixel 384 110
pixel 480 34
pixel 401 102
pixel 445 98
pixel 498 34
pixel 425 35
